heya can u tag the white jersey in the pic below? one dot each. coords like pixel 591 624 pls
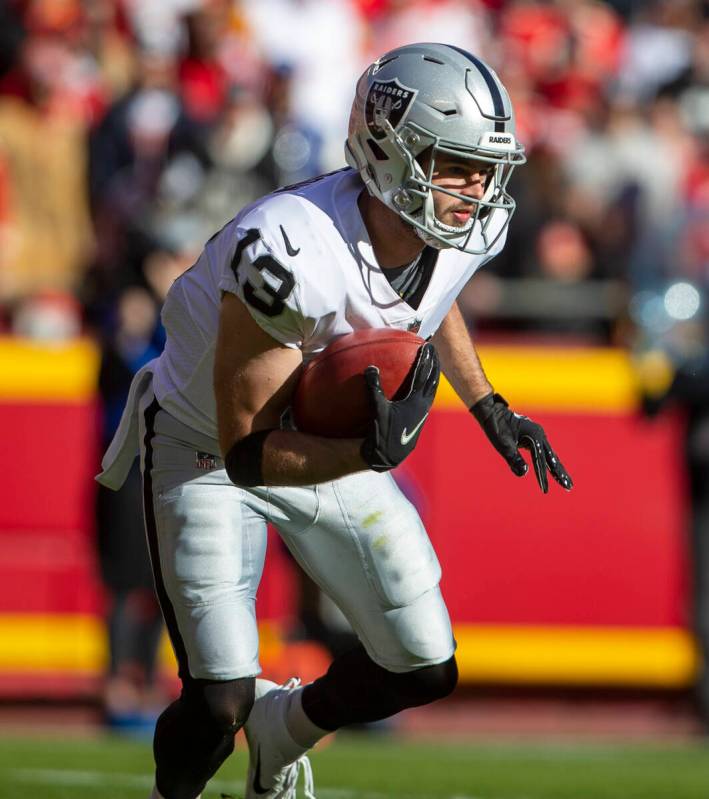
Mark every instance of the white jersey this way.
pixel 301 261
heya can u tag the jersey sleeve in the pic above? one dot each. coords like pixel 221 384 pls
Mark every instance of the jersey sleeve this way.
pixel 265 282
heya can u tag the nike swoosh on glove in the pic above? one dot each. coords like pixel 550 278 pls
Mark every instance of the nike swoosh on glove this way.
pixel 508 431
pixel 396 427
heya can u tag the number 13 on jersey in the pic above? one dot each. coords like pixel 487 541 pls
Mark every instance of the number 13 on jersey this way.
pixel 266 282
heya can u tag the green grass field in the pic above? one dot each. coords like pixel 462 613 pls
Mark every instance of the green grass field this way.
pixel 377 767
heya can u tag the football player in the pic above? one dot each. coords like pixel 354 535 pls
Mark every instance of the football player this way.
pixel 387 242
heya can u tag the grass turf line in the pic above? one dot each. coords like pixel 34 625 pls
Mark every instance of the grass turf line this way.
pixel 377 767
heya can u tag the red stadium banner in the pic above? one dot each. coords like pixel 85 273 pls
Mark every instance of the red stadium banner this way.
pixel 586 588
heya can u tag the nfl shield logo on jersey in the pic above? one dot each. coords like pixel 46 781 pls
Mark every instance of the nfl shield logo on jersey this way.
pixel 205 460
pixel 387 100
pixel 415 326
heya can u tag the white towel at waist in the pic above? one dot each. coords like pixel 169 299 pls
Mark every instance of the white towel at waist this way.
pixel 122 450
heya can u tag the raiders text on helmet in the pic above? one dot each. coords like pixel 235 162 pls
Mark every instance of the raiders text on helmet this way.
pixel 439 99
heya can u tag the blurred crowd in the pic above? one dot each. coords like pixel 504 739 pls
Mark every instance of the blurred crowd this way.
pixel 131 130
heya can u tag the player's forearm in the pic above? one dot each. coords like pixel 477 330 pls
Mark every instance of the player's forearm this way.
pixel 459 360
pixel 293 459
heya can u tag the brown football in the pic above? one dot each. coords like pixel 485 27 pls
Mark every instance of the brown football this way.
pixel 331 396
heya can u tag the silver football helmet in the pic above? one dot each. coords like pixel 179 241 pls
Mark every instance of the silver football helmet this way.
pixel 435 97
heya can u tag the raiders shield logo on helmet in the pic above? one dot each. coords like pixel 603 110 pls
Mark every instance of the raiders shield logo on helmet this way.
pixel 387 100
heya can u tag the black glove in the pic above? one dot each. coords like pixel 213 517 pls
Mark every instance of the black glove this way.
pixel 508 431
pixel 396 426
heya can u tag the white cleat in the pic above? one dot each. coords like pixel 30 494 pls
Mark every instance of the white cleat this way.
pixel 275 759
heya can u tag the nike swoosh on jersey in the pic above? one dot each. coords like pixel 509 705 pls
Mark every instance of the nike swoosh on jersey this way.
pixel 406 437
pixel 257 771
pixel 289 247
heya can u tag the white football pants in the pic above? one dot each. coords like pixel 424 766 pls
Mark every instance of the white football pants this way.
pixel 358 538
